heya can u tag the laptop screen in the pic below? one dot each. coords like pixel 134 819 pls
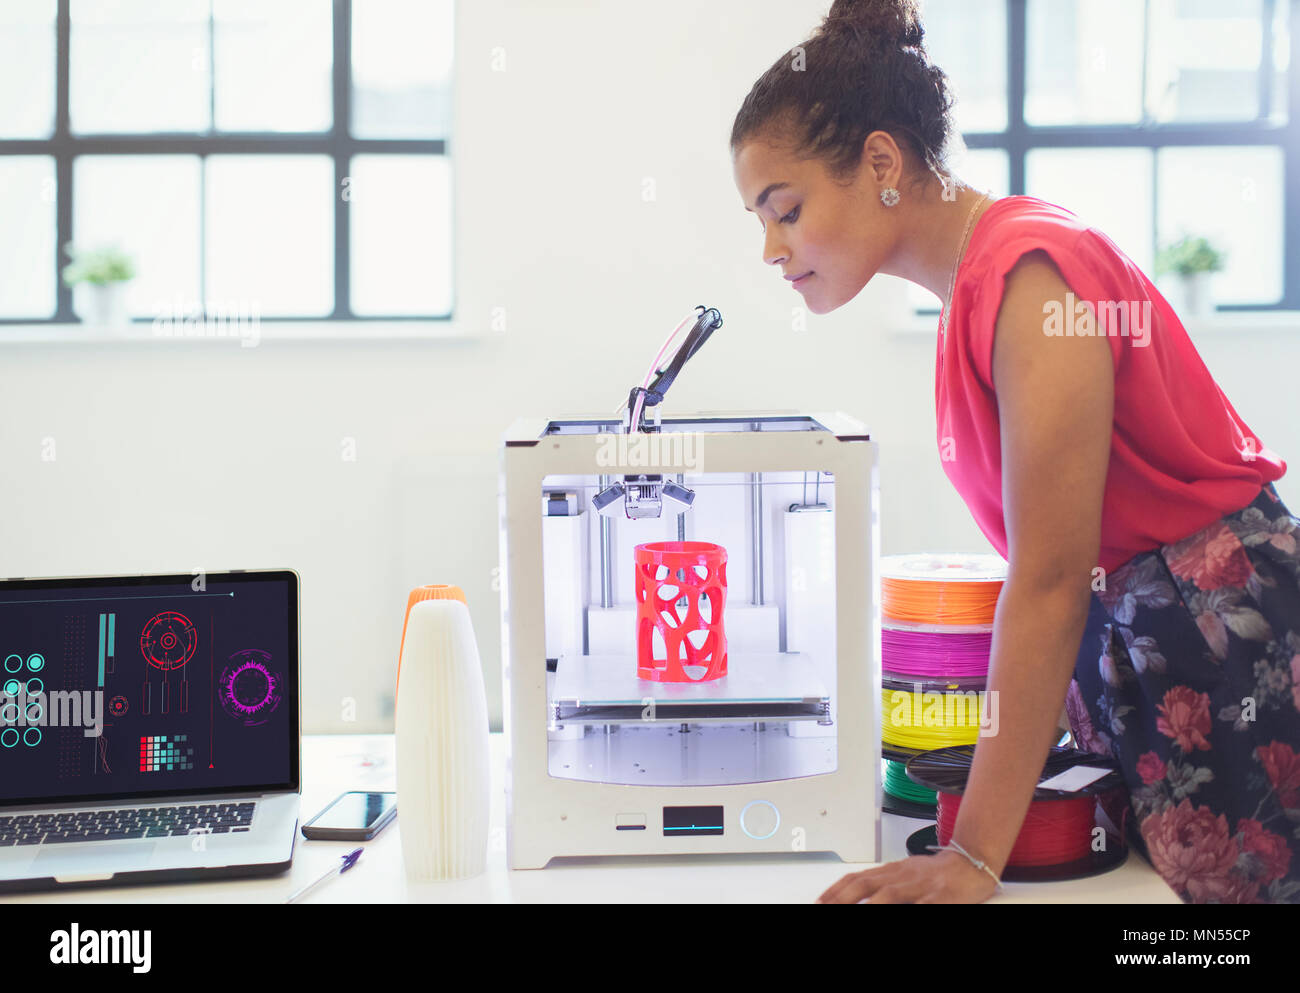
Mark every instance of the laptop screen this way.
pixel 151 686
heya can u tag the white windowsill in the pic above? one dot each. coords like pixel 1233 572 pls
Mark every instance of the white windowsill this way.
pixel 1229 322
pixel 267 331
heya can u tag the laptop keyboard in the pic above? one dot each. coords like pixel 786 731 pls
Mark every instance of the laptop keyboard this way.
pixel 117 825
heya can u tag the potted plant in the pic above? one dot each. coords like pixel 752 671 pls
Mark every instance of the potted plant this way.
pixel 1191 261
pixel 105 273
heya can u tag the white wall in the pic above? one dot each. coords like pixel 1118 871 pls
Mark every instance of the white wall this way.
pixel 173 455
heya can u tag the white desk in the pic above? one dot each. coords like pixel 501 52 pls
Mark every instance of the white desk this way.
pixel 334 763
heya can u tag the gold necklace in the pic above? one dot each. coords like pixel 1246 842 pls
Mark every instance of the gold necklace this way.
pixel 956 264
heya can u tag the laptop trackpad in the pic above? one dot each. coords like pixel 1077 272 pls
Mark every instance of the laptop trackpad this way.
pixel 94 857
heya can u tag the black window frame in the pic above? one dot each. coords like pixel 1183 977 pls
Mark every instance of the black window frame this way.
pixel 338 143
pixel 1019 137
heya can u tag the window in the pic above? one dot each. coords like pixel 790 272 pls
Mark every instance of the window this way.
pixel 1150 119
pixel 284 157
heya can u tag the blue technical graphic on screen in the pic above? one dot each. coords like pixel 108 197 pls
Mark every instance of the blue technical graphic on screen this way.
pixel 136 688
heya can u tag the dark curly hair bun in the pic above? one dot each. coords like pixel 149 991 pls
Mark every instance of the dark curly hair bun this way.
pixel 865 69
pixel 893 22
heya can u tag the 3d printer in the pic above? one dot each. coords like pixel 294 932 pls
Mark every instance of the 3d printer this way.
pixel 782 753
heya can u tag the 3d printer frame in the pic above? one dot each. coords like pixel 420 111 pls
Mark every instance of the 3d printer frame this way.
pixel 836 811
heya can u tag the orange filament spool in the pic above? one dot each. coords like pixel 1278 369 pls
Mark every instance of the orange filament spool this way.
pixel 941 589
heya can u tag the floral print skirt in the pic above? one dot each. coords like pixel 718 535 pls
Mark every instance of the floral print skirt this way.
pixel 1189 676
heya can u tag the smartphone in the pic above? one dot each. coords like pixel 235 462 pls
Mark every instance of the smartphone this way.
pixel 354 816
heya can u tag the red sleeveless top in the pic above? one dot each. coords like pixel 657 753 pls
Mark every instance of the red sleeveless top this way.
pixel 1180 456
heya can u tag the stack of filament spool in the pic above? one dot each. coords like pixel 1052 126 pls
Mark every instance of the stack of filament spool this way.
pixel 1059 838
pixel 936 635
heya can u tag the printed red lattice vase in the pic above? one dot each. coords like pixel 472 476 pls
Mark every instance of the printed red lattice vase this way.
pixel 681 595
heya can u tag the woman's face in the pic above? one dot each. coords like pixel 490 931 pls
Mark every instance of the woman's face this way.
pixel 835 236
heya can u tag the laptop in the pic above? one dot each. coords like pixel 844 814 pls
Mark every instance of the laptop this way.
pixel 149 728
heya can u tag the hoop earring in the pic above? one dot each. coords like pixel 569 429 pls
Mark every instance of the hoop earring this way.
pixel 890 196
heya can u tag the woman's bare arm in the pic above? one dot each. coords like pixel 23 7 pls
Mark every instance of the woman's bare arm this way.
pixel 1055 404
pixel 1056 409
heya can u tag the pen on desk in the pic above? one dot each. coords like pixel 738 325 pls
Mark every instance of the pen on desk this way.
pixel 348 861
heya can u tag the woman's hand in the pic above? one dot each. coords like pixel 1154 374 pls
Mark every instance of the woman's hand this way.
pixel 945 877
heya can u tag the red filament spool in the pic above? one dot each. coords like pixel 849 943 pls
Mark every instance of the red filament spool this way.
pixel 681 593
pixel 1054 832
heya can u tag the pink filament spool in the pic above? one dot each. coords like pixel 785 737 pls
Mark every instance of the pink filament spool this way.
pixel 935 654
pixel 681 592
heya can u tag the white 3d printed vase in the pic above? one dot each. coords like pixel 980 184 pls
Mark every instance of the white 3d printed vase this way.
pixel 442 740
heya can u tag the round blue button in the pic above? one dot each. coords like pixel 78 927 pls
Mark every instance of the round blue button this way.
pixel 760 819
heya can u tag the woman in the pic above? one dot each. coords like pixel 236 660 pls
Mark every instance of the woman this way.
pixel 1148 552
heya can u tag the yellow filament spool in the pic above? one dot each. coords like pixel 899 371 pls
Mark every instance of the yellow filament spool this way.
pixel 929 720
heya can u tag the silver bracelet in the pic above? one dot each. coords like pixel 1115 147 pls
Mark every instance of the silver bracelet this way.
pixel 952 846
